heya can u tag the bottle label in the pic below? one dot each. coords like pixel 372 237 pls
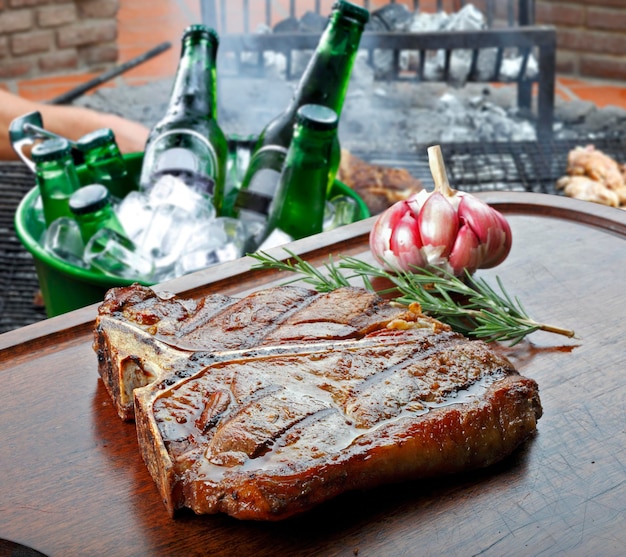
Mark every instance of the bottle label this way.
pixel 265 168
pixel 193 153
pixel 259 195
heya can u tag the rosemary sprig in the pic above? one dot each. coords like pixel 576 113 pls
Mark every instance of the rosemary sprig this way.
pixel 310 274
pixel 471 306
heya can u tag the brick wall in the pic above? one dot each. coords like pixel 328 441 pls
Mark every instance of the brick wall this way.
pixel 591 36
pixel 44 37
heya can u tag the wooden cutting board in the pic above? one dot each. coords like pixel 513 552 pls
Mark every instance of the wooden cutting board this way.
pixel 72 481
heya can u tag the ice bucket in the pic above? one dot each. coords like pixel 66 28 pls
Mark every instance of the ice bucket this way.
pixel 65 287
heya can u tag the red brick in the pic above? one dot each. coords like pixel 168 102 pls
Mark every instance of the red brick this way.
pixel 29 43
pixel 605 67
pixel 566 62
pixel 99 9
pixel 588 41
pixel 612 20
pixel 4 46
pixel 481 5
pixel 99 54
pixel 609 3
pixel 15 68
pixel 570 2
pixel 560 14
pixel 59 60
pixel 54 16
pixel 27 3
pixel 15 20
pixel 89 32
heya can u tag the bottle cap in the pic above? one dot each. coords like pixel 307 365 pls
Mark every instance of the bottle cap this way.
pixel 197 29
pixel 352 10
pixel 51 149
pixel 89 199
pixel 96 138
pixel 317 117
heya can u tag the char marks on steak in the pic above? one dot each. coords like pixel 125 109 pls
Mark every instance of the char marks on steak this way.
pixel 266 406
pixel 141 336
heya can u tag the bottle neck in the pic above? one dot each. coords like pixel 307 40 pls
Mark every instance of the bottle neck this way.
pixel 57 180
pixel 327 76
pixel 107 152
pixel 58 174
pixel 195 84
pixel 90 223
pixel 310 147
pixel 106 162
pixel 298 208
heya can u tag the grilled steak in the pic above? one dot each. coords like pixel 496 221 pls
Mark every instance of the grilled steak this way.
pixel 266 406
pixel 379 186
pixel 141 337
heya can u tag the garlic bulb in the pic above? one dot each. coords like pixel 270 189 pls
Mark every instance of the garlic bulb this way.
pixel 447 229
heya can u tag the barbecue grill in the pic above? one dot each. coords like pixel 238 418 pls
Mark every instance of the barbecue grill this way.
pixel 477 166
pixel 500 166
pixel 513 30
pixel 18 278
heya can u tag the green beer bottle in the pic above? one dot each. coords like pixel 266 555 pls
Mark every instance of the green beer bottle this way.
pixel 324 82
pixel 56 177
pixel 92 209
pixel 105 162
pixel 297 210
pixel 106 247
pixel 188 141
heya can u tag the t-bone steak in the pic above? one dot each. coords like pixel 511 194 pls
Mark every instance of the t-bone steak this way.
pixel 265 406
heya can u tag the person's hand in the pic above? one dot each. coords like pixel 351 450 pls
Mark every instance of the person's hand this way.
pixel 71 122
pixel 131 137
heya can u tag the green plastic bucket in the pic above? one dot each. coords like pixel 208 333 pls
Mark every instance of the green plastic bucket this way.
pixel 65 287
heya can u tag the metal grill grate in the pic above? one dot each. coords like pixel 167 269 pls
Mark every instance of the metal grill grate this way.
pixel 520 166
pixel 18 278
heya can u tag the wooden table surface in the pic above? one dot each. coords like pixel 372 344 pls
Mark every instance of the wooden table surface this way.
pixel 72 481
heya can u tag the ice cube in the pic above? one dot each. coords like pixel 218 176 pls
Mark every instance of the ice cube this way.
pixel 113 254
pixel 63 240
pixel 195 261
pixel 172 190
pixel 166 232
pixel 221 240
pixel 134 213
pixel 235 233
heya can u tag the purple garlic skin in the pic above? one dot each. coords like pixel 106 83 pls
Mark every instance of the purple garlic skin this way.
pixel 455 233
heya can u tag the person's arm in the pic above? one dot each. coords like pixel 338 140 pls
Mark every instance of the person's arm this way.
pixel 69 121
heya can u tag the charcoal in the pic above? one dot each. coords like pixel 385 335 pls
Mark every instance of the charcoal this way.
pixel 289 25
pixel 392 17
pixel 312 23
